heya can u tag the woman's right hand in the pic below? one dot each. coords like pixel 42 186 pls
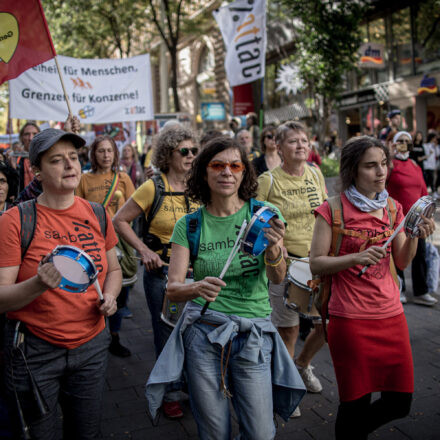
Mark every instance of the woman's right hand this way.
pixel 209 288
pixel 151 260
pixel 370 256
pixel 48 275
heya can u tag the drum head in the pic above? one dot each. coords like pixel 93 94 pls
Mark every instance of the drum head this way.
pixel 70 269
pixel 299 273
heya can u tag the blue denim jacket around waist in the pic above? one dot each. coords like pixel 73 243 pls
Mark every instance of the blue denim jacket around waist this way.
pixel 287 385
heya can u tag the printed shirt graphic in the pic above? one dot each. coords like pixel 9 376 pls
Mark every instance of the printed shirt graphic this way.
pixel 62 318
pixel 246 291
pixel 296 197
pixel 94 187
pixel 375 295
pixel 171 210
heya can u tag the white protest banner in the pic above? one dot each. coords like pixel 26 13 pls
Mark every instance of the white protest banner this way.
pixel 243 27
pixel 100 91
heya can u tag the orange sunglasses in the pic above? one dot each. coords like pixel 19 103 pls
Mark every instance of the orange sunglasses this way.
pixel 218 166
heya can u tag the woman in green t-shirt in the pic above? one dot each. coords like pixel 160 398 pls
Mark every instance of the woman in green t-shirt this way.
pixel 223 181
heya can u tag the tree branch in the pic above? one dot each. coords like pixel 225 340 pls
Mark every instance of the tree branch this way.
pixel 158 26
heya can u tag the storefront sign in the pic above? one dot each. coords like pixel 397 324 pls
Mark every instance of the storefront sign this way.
pixel 213 111
pixel 372 55
pixel 427 85
pixel 355 99
pixel 243 101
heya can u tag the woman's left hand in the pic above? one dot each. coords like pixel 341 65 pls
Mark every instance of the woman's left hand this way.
pixel 426 227
pixel 109 306
pixel 275 233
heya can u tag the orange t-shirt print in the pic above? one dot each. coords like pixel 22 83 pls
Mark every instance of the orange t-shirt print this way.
pixel 62 318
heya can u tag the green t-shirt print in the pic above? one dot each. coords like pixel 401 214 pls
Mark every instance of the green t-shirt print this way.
pixel 246 292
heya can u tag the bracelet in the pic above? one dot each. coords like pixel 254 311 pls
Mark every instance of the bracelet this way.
pixel 276 262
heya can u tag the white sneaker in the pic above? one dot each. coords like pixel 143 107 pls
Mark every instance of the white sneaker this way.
pixel 312 383
pixel 403 298
pixel 426 300
pixel 296 413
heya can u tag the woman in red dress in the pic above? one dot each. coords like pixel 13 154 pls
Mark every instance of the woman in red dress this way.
pixel 367 332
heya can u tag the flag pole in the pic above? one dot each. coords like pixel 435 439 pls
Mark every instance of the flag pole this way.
pixel 62 85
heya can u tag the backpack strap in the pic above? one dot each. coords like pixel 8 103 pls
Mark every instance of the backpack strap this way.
pixel 28 221
pixel 159 194
pixel 193 231
pixel 100 214
pixel 255 205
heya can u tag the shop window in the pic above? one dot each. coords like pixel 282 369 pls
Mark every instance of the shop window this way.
pixel 427 36
pixel 402 50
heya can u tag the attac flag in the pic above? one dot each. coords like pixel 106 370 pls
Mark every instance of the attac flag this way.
pixel 243 27
pixel 25 40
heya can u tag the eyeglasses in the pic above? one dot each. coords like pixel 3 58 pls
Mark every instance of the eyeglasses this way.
pixel 404 141
pixel 268 136
pixel 185 151
pixel 218 166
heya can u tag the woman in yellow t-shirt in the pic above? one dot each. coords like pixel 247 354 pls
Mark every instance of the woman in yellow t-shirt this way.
pixel 105 184
pixel 173 156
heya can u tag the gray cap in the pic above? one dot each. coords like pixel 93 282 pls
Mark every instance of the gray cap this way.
pixel 48 138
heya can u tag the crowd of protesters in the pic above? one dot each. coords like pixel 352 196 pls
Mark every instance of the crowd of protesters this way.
pixel 209 185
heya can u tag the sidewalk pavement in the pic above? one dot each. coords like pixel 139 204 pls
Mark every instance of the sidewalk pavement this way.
pixel 124 415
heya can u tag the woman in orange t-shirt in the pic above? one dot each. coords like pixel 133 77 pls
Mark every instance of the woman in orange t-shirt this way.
pixel 56 340
pixel 367 332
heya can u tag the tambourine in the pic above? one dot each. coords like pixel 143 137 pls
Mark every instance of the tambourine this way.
pixel 254 241
pixel 424 206
pixel 75 266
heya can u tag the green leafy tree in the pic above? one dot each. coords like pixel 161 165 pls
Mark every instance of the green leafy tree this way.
pixel 96 28
pixel 327 44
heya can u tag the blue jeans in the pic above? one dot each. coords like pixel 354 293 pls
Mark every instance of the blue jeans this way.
pixel 154 287
pixel 74 378
pixel 115 320
pixel 249 383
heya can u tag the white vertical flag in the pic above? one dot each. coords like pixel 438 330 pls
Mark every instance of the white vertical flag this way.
pixel 243 27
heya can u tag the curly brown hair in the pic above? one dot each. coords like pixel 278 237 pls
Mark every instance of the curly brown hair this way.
pixel 169 140
pixel 98 140
pixel 199 191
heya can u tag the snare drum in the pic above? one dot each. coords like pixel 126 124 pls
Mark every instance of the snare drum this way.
pixel 299 295
pixel 424 206
pixel 254 241
pixel 75 266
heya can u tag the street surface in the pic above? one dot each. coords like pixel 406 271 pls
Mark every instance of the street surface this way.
pixel 124 415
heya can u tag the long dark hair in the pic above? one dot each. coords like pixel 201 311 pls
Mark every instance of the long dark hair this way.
pixel 352 154
pixel 199 191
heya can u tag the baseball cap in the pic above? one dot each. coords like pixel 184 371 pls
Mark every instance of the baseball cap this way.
pixel 393 113
pixel 48 138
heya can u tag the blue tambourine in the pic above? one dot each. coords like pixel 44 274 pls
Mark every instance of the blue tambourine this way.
pixel 254 241
pixel 75 266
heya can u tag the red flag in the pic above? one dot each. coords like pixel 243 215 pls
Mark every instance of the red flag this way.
pixel 25 39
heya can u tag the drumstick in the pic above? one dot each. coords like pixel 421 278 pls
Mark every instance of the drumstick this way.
pixel 396 231
pixel 98 289
pixel 233 253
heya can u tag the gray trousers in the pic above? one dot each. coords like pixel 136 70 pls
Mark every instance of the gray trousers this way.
pixel 69 379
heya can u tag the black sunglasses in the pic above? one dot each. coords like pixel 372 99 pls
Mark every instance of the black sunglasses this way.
pixel 268 136
pixel 185 151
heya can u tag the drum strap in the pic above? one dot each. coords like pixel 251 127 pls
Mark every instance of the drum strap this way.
pixel 338 231
pixel 28 221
